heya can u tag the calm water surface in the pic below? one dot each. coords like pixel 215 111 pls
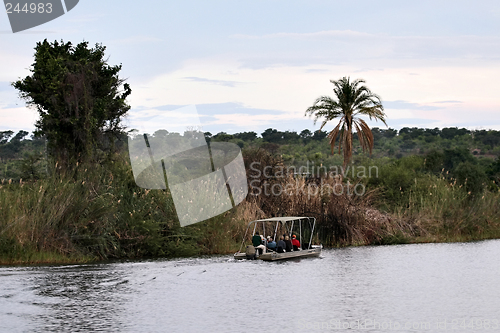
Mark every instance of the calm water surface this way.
pixel 407 288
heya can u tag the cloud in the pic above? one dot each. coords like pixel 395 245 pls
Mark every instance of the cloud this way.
pixel 448 102
pixel 19 118
pixel 136 40
pixel 364 70
pixel 29 32
pixel 307 35
pixel 412 122
pixel 317 70
pixel 380 50
pixel 210 109
pixel 257 123
pixel 227 117
pixel 217 82
pixel 87 18
pixel 232 108
pixel 5 86
pixel 10 106
pixel 233 117
pixel 403 105
pixel 151 120
pixel 168 107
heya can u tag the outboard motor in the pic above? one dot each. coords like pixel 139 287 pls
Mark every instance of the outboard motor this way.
pixel 250 252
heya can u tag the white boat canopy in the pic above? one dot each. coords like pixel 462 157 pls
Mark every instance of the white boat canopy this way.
pixel 282 219
pixel 284 222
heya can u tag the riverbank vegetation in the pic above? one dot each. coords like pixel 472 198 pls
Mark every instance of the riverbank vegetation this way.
pixel 94 213
pixel 68 194
pixel 98 213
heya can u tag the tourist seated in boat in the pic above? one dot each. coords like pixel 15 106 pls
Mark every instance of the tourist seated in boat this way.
pixel 295 243
pixel 257 243
pixel 289 245
pixel 281 246
pixel 271 244
pixel 256 240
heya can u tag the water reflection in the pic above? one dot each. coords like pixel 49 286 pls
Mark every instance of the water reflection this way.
pixel 64 298
pixel 81 297
pixel 422 284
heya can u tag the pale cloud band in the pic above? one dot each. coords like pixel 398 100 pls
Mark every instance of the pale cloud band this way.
pixel 432 62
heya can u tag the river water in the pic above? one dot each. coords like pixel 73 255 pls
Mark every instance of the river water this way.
pixel 402 288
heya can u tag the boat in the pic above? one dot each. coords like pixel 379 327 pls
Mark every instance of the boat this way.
pixel 276 225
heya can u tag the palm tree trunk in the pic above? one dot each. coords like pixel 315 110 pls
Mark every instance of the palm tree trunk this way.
pixel 348 142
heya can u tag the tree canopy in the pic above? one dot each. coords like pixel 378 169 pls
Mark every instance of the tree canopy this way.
pixel 353 99
pixel 79 97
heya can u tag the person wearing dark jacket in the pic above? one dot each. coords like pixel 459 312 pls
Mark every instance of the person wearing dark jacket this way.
pixel 271 244
pixel 257 243
pixel 256 239
pixel 280 248
pixel 288 243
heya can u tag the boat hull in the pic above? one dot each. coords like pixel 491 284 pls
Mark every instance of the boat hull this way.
pixel 274 256
pixel 240 255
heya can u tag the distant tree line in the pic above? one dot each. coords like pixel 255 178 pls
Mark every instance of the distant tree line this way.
pixel 11 145
pixel 486 137
pixel 14 147
pixel 22 156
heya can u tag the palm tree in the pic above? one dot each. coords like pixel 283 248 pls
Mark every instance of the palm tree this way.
pixel 352 100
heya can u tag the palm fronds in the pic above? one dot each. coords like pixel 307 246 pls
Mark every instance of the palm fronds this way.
pixel 353 99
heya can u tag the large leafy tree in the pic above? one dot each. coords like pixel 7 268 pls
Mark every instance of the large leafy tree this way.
pixel 353 99
pixel 79 97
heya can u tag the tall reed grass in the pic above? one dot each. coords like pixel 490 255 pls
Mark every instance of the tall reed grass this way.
pixel 441 210
pixel 97 212
pixel 403 204
pixel 343 218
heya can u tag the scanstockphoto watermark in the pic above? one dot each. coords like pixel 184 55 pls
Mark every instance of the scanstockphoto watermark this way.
pixel 362 324
pixel 443 324
pixel 204 180
pixel 25 15
pixel 262 179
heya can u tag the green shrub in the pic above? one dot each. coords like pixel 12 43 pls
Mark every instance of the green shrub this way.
pixel 471 176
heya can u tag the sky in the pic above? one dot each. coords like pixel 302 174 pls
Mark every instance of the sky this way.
pixel 253 65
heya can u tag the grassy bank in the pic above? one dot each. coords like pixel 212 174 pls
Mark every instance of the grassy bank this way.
pixel 438 206
pixel 95 213
pixel 98 212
